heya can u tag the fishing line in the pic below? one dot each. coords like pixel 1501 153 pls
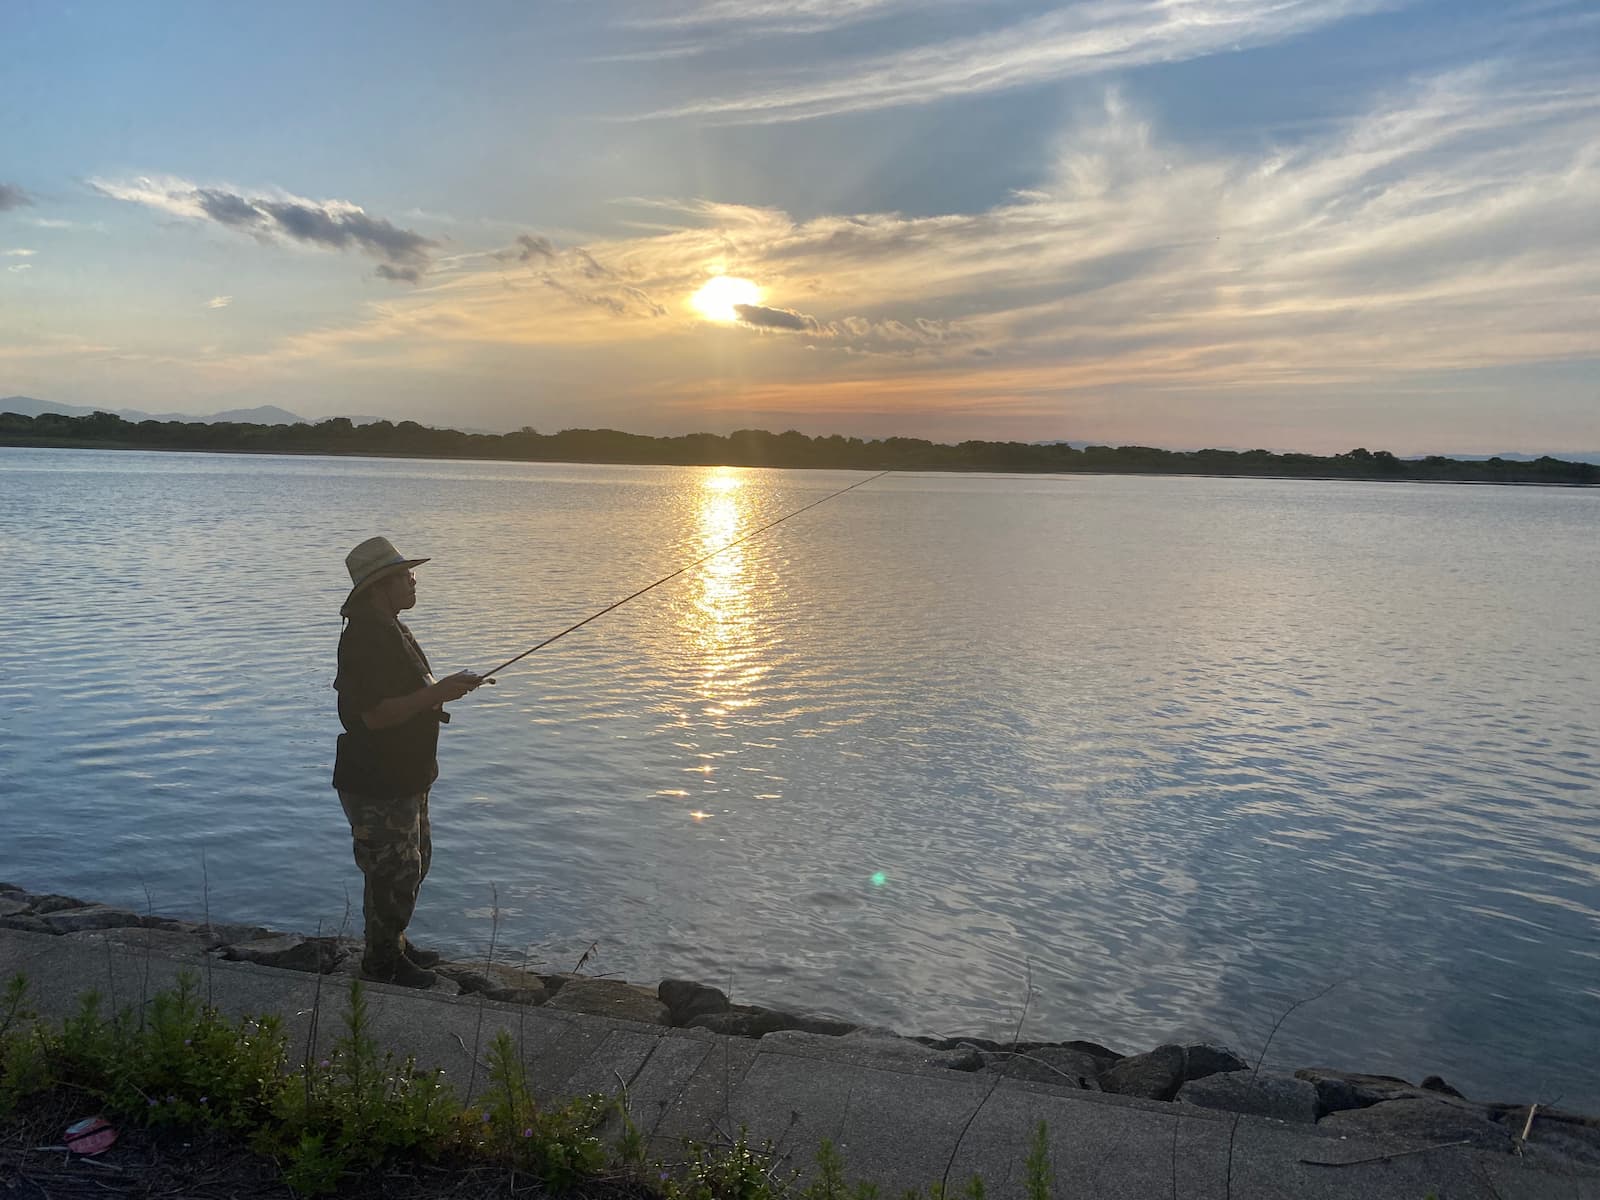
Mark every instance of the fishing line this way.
pixel 488 675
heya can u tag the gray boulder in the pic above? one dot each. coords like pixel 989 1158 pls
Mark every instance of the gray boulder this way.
pixel 1368 1089
pixel 495 981
pixel 290 952
pixel 53 903
pixel 90 916
pixel 1421 1121
pixel 1345 1091
pixel 1203 1059
pixel 687 1000
pixel 1156 1075
pixel 11 906
pixel 753 1021
pixel 610 998
pixel 1281 1097
pixel 1058 1065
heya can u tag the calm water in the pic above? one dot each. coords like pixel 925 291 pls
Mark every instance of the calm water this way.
pixel 1181 751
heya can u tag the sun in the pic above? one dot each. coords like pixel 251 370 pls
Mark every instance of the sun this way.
pixel 717 298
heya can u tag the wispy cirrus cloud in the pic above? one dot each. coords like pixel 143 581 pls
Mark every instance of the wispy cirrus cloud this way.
pixel 1081 39
pixel 219 302
pixel 527 247
pixel 1448 228
pixel 687 30
pixel 805 16
pixel 404 254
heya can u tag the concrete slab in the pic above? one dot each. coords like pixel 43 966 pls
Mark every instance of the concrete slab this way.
pixel 702 1110
pixel 898 1123
pixel 660 1083
pixel 613 1065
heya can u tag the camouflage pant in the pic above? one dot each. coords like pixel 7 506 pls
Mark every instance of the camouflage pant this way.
pixel 393 847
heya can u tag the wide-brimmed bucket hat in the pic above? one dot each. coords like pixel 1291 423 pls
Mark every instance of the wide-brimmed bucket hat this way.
pixel 375 559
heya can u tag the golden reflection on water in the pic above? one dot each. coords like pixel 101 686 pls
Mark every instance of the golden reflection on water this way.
pixel 722 618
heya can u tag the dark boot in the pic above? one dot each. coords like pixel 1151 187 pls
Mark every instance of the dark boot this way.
pixel 403 972
pixel 421 957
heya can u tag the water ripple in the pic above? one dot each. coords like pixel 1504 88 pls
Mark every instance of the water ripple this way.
pixel 1180 752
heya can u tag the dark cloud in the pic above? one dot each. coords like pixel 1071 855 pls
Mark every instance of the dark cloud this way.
pixel 342 229
pixel 404 254
pixel 11 196
pixel 528 247
pixel 776 318
pixel 228 209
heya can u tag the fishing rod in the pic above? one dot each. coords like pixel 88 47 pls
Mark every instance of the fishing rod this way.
pixel 488 676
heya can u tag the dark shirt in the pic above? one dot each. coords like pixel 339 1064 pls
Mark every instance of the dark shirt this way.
pixel 378 658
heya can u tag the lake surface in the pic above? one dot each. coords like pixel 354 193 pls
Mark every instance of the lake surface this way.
pixel 1180 751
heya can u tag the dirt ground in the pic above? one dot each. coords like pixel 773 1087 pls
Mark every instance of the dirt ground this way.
pixel 172 1166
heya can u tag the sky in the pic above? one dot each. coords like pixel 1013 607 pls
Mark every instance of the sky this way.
pixel 1289 224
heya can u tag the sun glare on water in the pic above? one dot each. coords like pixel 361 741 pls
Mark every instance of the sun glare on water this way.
pixel 717 298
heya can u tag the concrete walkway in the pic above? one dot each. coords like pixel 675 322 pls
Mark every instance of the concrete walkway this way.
pixel 900 1124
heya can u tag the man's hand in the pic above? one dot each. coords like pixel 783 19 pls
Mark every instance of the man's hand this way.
pixel 396 709
pixel 453 687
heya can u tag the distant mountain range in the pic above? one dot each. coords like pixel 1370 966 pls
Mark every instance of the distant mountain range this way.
pixel 271 414
pixel 267 414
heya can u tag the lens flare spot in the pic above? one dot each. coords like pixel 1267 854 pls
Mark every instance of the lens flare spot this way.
pixel 879 879
pixel 698 815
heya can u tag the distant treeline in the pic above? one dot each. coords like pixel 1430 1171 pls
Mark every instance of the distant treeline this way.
pixel 757 448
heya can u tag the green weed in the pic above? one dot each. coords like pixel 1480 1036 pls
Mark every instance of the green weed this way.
pixel 1040 1176
pixel 736 1172
pixel 23 1068
pixel 829 1183
pixel 358 1108
pixel 182 1064
pixel 558 1144
pixel 178 1062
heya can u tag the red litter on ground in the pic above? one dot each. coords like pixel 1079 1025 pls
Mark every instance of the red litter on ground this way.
pixel 89 1136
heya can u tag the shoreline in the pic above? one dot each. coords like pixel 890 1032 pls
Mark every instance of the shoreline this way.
pixel 1208 1075
pixel 997 472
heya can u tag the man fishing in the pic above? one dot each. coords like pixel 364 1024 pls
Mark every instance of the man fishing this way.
pixel 391 709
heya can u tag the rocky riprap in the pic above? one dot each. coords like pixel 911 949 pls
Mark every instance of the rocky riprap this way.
pixel 1429 1113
